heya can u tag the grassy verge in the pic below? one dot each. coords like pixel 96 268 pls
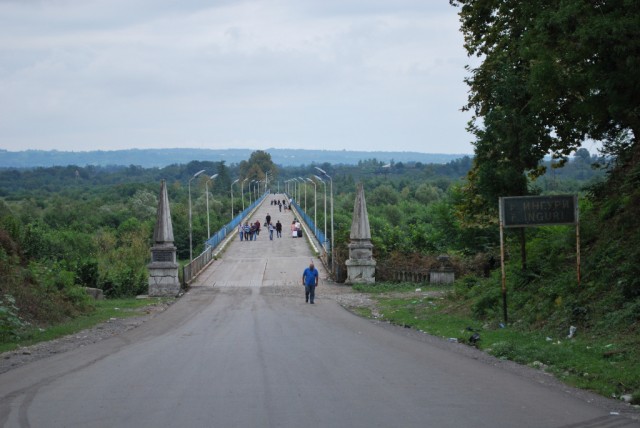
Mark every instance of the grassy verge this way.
pixel 388 287
pixel 104 310
pixel 608 366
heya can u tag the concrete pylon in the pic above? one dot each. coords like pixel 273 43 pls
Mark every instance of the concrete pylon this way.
pixel 163 269
pixel 361 266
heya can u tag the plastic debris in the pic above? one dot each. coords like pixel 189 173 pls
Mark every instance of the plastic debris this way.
pixel 453 340
pixel 549 339
pixel 572 332
pixel 501 325
pixel 418 290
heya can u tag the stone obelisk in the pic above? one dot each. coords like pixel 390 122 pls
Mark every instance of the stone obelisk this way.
pixel 163 269
pixel 361 266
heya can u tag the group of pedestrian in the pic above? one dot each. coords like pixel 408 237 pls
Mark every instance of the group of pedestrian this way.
pixel 250 232
pixel 282 204
pixel 296 229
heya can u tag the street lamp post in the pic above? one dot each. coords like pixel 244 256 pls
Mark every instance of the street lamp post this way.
pixel 295 188
pixel 315 203
pixel 232 216
pixel 266 185
pixel 250 191
pixel 324 184
pixel 242 188
pixel 333 251
pixel 190 224
pixel 304 183
pixel 206 192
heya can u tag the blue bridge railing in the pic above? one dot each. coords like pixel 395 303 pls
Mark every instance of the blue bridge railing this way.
pixel 326 244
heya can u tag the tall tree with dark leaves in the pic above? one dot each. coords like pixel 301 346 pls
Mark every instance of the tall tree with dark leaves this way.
pixel 552 74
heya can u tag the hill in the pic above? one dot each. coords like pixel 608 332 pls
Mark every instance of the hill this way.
pixel 149 158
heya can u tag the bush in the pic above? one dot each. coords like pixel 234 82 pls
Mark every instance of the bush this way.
pixel 124 282
pixel 10 322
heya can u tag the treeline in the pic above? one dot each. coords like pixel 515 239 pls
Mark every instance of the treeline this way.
pixel 416 211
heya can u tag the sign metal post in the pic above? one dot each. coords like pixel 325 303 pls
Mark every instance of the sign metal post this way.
pixel 529 211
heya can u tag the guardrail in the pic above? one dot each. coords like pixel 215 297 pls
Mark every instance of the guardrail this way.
pixel 320 236
pixel 190 271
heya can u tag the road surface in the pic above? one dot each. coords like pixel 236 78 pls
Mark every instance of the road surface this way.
pixel 243 349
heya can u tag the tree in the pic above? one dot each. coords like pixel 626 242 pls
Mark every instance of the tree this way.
pixel 578 61
pixel 551 75
pixel 257 166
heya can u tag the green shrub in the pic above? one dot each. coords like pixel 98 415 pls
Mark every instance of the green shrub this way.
pixel 11 324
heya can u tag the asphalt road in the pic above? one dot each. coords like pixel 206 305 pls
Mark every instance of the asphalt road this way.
pixel 242 349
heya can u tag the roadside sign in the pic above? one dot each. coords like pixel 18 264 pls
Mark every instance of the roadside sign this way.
pixel 525 211
pixel 528 211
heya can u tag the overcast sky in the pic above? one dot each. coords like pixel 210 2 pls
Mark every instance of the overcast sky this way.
pixel 322 74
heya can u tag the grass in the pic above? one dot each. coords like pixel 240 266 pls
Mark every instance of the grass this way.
pixel 104 310
pixel 390 287
pixel 608 366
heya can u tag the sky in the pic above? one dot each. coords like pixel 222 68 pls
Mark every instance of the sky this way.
pixel 79 75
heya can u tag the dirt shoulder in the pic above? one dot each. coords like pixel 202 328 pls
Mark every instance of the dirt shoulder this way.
pixel 113 327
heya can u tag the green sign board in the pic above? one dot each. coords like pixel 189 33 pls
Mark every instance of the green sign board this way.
pixel 523 211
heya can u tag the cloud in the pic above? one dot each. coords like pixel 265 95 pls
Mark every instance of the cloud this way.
pixel 277 73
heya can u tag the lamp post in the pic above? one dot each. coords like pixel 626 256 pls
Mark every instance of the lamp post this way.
pixel 295 188
pixel 242 188
pixel 333 251
pixel 315 202
pixel 304 183
pixel 266 177
pixel 190 225
pixel 206 192
pixel 325 211
pixel 250 183
pixel 232 197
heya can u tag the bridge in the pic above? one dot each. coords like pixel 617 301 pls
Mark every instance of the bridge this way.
pixel 243 349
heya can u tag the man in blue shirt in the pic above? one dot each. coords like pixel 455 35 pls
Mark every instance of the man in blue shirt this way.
pixel 310 282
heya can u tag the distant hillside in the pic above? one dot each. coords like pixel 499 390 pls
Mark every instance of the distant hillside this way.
pixel 149 158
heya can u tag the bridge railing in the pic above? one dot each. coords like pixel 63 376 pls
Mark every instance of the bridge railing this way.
pixel 320 236
pixel 191 270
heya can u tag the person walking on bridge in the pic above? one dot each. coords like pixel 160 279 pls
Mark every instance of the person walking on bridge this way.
pixel 278 229
pixel 271 228
pixel 310 282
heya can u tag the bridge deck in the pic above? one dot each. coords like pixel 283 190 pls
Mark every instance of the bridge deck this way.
pixel 263 262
